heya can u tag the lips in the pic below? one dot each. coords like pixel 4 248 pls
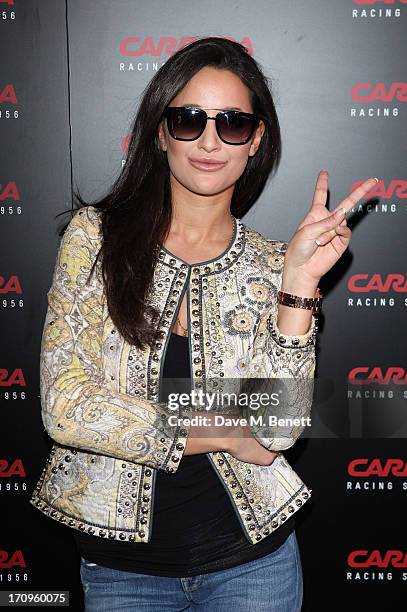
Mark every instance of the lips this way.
pixel 205 165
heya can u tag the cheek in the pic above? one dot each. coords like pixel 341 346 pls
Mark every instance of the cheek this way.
pixel 239 162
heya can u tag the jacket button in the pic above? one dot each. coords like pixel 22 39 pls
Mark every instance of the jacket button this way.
pixel 175 458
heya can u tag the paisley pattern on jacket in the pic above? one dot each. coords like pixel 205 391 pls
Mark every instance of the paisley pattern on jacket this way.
pixel 100 395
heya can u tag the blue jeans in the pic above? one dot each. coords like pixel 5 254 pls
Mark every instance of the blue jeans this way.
pixel 272 583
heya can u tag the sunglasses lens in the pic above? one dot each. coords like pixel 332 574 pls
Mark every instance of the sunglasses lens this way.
pixel 185 124
pixel 235 127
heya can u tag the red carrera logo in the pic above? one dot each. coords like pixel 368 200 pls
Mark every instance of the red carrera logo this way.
pixel 135 46
pixel 11 285
pixel 16 378
pixel 368 92
pixel 363 283
pixel 374 558
pixel 15 468
pixel 396 187
pixel 9 192
pixel 7 560
pixel 362 375
pixel 379 1
pixel 7 94
pixel 377 467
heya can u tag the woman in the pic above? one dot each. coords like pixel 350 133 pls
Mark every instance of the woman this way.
pixel 159 286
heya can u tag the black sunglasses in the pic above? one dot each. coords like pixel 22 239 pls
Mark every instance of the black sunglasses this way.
pixel 188 123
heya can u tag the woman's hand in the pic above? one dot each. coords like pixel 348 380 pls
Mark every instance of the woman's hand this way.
pixel 306 262
pixel 245 447
pixel 238 440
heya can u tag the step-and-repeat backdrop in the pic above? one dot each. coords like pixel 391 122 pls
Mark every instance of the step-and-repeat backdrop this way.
pixel 71 76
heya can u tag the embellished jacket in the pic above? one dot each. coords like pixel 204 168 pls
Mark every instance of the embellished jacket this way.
pixel 100 395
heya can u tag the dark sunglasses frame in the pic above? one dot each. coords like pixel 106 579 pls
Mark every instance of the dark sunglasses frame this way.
pixel 171 110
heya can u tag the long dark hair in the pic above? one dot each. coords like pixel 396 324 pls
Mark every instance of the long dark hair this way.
pixel 136 213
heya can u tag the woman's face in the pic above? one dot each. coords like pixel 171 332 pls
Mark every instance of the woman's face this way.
pixel 210 88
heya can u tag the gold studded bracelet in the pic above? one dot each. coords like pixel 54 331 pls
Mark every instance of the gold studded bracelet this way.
pixel 295 301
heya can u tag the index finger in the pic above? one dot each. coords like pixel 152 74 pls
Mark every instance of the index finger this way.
pixel 357 194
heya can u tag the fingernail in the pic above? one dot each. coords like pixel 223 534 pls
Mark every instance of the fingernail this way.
pixel 376 179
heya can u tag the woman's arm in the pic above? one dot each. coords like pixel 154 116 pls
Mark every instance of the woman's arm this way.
pixel 284 361
pixel 78 408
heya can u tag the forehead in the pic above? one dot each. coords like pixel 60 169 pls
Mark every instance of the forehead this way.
pixel 214 88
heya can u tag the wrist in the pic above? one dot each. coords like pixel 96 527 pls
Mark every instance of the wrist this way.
pixel 227 445
pixel 299 284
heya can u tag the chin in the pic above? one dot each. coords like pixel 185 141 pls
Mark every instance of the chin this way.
pixel 207 190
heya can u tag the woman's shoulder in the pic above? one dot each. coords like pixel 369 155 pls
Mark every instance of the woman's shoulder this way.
pixel 87 218
pixel 84 229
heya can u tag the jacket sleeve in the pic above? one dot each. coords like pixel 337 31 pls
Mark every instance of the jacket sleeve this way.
pixel 78 408
pixel 283 365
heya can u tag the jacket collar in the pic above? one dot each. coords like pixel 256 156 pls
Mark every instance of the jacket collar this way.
pixel 212 266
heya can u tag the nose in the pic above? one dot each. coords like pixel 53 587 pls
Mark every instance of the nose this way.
pixel 209 139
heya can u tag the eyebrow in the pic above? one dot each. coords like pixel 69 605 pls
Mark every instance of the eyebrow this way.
pixel 226 108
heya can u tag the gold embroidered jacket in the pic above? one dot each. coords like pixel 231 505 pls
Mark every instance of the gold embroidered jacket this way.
pixel 100 395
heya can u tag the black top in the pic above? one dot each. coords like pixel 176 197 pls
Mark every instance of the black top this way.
pixel 195 528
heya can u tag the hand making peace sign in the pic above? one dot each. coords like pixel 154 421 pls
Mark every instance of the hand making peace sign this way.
pixel 306 260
